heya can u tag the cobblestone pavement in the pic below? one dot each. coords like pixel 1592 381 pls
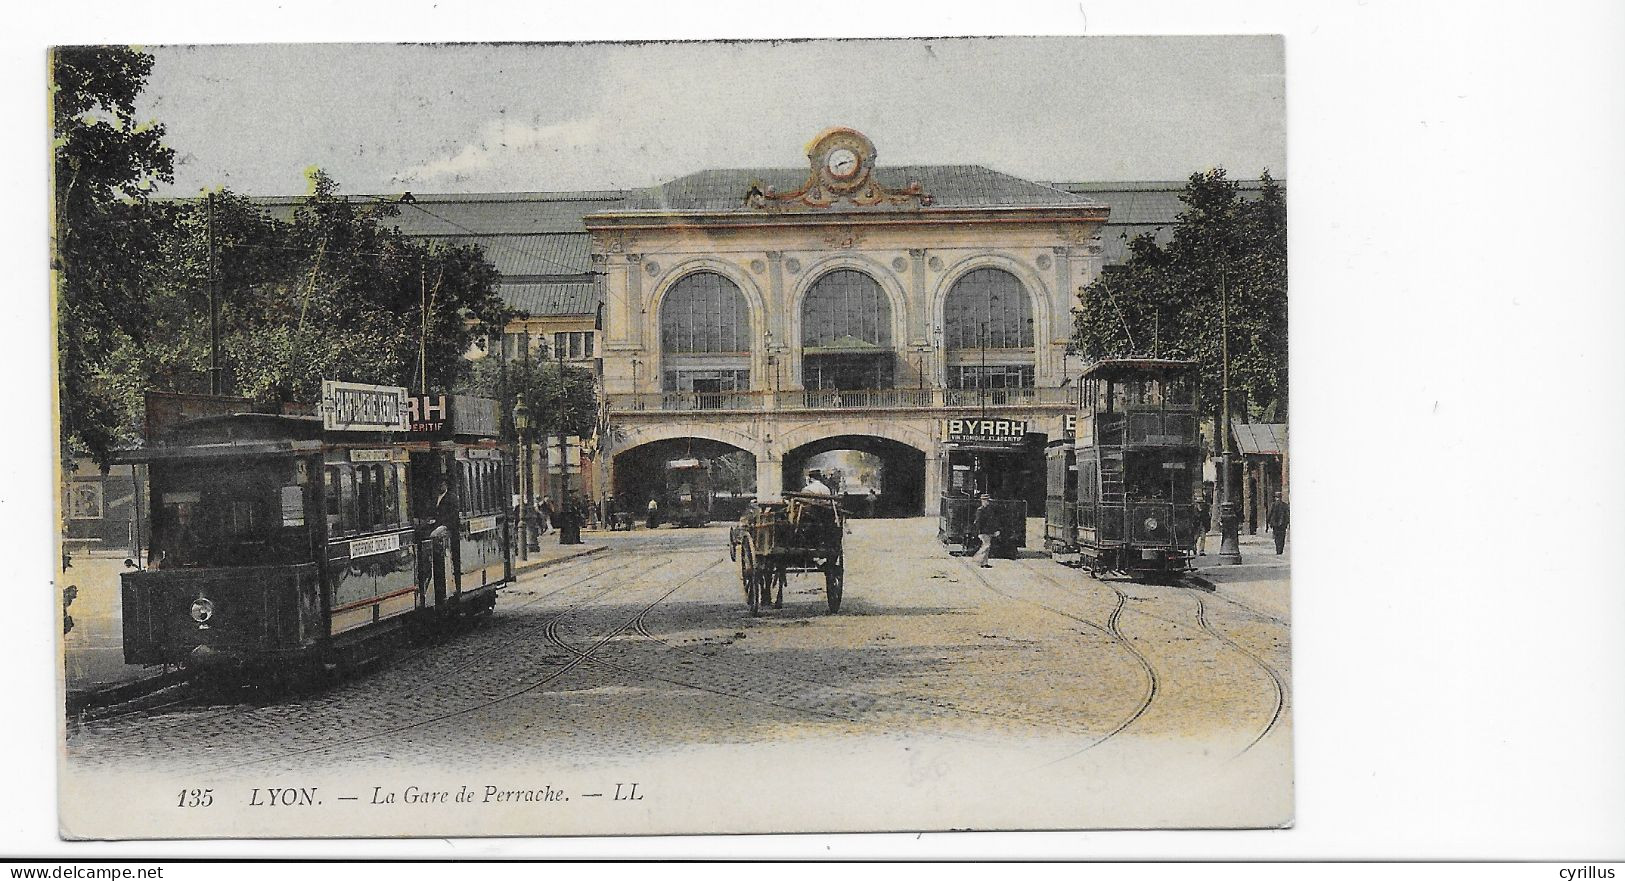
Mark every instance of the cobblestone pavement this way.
pixel 648 650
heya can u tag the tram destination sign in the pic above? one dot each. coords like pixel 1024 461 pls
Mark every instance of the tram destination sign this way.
pixel 984 431
pixel 351 406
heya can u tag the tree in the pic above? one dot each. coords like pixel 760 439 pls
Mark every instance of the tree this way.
pixel 108 236
pixel 330 292
pixel 561 399
pixel 335 293
pixel 1226 251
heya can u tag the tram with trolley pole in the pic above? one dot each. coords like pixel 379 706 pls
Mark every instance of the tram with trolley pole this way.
pixel 1124 498
pixel 284 541
pixel 984 456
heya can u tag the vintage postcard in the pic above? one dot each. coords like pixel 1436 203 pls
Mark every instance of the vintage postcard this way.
pixel 658 438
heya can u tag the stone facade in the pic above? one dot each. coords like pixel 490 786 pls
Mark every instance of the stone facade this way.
pixel 914 242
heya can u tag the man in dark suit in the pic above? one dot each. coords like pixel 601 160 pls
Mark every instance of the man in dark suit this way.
pixel 1277 519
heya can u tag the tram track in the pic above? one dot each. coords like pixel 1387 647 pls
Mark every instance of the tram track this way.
pixel 1110 630
pixel 396 661
pixel 1277 683
pixel 1275 678
pixel 639 626
pixel 550 625
pixel 909 702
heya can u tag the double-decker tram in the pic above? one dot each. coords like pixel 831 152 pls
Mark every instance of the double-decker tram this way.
pixel 1124 498
pixel 984 457
pixel 282 538
pixel 689 496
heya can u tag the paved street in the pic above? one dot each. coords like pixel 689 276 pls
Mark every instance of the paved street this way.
pixel 644 658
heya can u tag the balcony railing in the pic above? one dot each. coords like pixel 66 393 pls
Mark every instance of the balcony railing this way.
pixel 834 399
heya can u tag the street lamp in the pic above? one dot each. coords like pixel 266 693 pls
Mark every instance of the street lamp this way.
pixel 1229 515
pixel 521 426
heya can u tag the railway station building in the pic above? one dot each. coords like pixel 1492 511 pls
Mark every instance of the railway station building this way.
pixel 839 308
pixel 835 309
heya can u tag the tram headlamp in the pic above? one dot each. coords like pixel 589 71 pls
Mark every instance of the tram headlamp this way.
pixel 1151 524
pixel 202 610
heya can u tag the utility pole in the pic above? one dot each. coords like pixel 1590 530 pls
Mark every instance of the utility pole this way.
pixel 1229 517
pixel 216 380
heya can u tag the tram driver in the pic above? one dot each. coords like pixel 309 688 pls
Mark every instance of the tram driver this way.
pixel 447 526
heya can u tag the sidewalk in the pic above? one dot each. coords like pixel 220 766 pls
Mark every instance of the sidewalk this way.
pixel 1260 581
pixel 93 651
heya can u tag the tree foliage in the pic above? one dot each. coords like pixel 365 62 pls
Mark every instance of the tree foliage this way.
pixel 1226 251
pixel 561 399
pixel 327 290
pixel 109 236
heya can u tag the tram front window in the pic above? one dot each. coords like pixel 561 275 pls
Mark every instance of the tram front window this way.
pixel 220 514
pixel 1150 476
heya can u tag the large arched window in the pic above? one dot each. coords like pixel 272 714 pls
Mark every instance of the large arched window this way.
pixel 846 333
pixel 705 336
pixel 987 328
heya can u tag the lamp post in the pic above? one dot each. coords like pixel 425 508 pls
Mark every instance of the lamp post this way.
pixel 1229 517
pixel 521 427
pixel 564 464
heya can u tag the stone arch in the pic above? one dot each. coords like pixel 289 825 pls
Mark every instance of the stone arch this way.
pixel 1038 293
pixel 908 457
pixel 754 302
pixel 892 430
pixel 896 297
pixel 637 473
pixel 638 435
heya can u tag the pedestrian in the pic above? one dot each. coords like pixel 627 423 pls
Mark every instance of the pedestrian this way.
pixel 546 516
pixel 816 485
pixel 1277 519
pixel 874 502
pixel 984 528
pixel 653 513
pixel 1204 519
pixel 570 517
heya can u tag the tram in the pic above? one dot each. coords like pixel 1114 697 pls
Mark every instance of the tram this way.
pixel 689 496
pixel 287 538
pixel 1123 499
pixel 984 457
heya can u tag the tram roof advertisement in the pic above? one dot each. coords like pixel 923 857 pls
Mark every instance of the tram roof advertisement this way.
pixel 442 416
pixel 350 406
pixel 984 431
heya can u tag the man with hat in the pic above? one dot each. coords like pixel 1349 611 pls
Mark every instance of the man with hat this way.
pixel 984 527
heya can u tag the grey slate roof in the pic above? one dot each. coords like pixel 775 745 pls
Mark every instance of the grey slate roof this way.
pixel 525 256
pixel 539 243
pixel 551 298
pixel 950 186
pixel 1141 207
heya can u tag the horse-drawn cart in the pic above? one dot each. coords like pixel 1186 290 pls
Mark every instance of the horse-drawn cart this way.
pixel 804 533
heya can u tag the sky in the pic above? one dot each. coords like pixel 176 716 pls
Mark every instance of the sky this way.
pixel 383 118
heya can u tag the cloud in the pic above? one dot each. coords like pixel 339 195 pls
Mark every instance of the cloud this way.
pixel 503 143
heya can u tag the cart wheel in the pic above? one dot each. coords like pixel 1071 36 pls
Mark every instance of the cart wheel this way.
pixel 748 576
pixel 834 575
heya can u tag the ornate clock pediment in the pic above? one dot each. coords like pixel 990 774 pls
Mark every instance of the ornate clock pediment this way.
pixel 841 170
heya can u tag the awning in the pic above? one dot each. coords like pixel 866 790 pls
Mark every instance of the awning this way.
pixel 1259 439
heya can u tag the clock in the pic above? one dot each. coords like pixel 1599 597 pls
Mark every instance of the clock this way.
pixel 842 163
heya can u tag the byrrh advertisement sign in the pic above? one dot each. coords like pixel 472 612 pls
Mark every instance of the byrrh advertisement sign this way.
pixel 984 431
pixel 351 406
